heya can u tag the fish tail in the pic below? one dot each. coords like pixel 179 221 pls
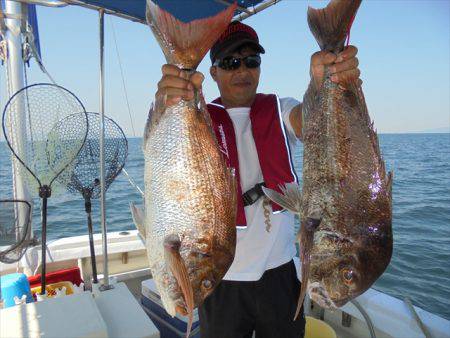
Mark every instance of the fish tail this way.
pixel 176 264
pixel 331 25
pixel 306 240
pixel 185 44
pixel 290 198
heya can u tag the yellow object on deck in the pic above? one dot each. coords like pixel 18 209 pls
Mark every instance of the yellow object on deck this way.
pixel 51 288
pixel 316 328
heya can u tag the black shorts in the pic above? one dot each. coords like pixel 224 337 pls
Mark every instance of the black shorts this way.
pixel 235 309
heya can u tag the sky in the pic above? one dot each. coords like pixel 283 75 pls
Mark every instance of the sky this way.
pixel 404 53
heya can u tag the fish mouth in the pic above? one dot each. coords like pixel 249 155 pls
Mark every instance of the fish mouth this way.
pixel 320 295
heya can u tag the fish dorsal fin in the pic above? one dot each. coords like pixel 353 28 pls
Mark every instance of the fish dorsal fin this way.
pixel 389 183
pixel 331 25
pixel 185 44
pixel 138 216
pixel 148 126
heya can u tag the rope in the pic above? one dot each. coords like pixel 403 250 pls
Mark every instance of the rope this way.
pixel 30 40
pixel 122 76
pixel 366 317
pixel 266 207
pixel 419 322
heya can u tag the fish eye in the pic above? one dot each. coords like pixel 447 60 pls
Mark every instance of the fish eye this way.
pixel 347 276
pixel 207 284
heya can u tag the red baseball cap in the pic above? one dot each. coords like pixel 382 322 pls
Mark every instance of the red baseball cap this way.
pixel 236 35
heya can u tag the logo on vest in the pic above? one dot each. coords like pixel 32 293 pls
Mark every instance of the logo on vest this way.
pixel 223 146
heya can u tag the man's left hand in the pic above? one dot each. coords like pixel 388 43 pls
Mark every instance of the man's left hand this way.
pixel 343 67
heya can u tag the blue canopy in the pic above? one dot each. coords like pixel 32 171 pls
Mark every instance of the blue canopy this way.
pixel 32 18
pixel 184 10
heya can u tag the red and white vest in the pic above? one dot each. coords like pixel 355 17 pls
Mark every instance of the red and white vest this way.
pixel 271 144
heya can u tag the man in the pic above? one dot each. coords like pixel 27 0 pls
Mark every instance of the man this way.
pixel 257 133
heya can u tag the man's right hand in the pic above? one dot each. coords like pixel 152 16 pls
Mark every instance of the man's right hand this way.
pixel 176 84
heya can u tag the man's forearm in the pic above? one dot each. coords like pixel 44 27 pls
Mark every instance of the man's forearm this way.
pixel 295 117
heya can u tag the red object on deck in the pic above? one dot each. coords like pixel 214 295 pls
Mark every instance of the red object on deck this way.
pixel 72 275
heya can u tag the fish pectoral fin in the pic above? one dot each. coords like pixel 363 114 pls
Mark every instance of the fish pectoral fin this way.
pixel 176 265
pixel 148 124
pixel 138 218
pixel 307 229
pixel 290 199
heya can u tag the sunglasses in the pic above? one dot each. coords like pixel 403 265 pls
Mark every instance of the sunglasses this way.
pixel 233 63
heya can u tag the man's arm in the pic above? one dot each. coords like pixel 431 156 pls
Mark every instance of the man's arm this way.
pixel 295 117
pixel 343 69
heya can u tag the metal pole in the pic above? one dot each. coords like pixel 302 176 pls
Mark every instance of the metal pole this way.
pixel 44 193
pixel 15 77
pixel 88 209
pixel 105 285
pixel 255 10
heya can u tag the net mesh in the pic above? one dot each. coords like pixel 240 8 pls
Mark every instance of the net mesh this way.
pixel 13 230
pixel 85 173
pixel 33 128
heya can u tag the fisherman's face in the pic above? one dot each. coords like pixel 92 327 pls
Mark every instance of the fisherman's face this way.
pixel 237 87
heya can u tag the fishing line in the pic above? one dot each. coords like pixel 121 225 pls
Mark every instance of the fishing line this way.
pixel 130 179
pixel 122 75
pixel 133 183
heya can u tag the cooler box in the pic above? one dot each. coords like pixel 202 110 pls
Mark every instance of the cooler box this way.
pixel 169 327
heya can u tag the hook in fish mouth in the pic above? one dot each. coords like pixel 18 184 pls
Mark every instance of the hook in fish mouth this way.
pixel 320 295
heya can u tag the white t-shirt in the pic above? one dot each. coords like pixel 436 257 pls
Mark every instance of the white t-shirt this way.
pixel 258 250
